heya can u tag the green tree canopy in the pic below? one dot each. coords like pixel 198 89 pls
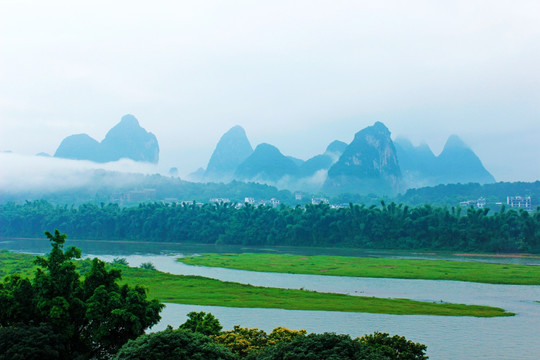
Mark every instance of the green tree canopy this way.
pixel 201 322
pixel 27 342
pixel 174 345
pixel 93 315
pixel 388 226
pixel 243 341
pixel 395 347
pixel 327 346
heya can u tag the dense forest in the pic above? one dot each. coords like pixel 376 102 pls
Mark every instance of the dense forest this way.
pixel 388 226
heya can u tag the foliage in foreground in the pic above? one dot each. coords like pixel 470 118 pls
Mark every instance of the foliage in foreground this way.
pixel 281 343
pixel 174 344
pixel 91 317
pixel 30 342
pixel 243 341
pixel 378 346
pixel 319 347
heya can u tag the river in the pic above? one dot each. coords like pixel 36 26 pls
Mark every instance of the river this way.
pixel 446 337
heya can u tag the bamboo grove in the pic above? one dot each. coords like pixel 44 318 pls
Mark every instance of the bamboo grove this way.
pixel 392 226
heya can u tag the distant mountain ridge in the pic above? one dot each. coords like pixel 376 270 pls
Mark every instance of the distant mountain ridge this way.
pixel 324 161
pixel 125 140
pixel 371 164
pixel 231 150
pixel 266 163
pixel 457 163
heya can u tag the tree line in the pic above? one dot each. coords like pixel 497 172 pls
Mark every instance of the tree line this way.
pixel 388 226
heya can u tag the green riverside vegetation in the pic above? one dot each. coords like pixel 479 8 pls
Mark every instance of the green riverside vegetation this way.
pixel 390 226
pixel 203 291
pixel 374 267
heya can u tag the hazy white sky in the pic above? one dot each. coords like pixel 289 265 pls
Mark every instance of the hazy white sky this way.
pixel 296 74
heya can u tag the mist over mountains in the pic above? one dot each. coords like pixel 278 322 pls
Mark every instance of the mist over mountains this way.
pixel 372 163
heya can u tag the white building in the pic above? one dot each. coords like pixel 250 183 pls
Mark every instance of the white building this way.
pixel 275 202
pixel 220 200
pixel 523 202
pixel 479 204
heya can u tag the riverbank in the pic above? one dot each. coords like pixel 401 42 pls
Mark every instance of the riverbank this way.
pixel 374 267
pixel 198 290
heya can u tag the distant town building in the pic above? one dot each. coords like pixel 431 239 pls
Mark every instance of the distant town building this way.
pixel 249 200
pixel 319 200
pixel 523 202
pixel 189 202
pixel 220 200
pixel 479 203
pixel 339 206
pixel 298 196
pixel 170 201
pixel 140 195
pixel 275 202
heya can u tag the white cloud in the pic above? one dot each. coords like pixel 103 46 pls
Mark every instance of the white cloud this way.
pixel 33 173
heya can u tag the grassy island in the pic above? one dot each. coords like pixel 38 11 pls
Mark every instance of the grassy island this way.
pixel 198 290
pixel 374 267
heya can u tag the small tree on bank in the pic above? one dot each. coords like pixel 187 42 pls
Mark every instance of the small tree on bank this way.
pixel 201 322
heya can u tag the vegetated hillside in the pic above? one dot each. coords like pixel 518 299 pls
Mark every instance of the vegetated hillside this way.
pixel 457 163
pixel 387 227
pixel 371 164
pixel 266 163
pixel 452 194
pixel 79 147
pixel 368 165
pixel 232 149
pixel 323 161
pixel 125 140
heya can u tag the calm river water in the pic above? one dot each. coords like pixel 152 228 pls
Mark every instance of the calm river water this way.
pixel 514 337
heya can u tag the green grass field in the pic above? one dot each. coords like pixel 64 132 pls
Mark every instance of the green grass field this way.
pixel 203 291
pixel 374 267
